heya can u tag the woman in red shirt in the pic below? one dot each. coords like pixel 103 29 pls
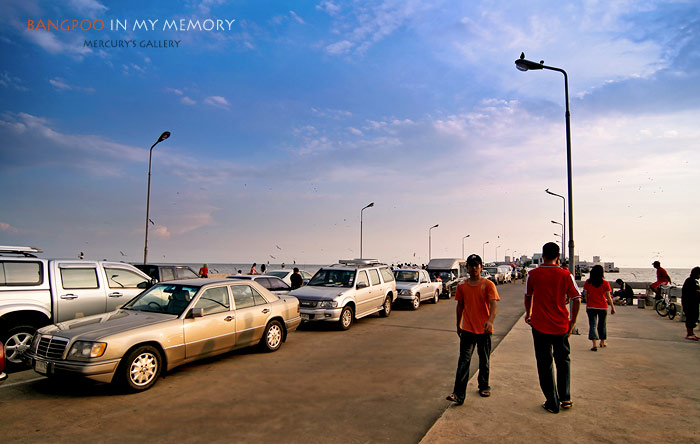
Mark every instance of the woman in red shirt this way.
pixel 597 291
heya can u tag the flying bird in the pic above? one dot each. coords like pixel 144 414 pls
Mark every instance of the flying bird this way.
pixel 122 253
pixel 152 223
pixel 278 247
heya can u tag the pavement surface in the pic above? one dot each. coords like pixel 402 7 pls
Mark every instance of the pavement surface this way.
pixel 643 388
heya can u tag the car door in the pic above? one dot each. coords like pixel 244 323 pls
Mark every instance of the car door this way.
pixel 79 290
pixel 215 332
pixel 251 312
pixel 424 285
pixel 123 285
pixel 376 289
pixel 363 296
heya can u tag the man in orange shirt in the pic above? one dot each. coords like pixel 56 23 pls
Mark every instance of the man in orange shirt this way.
pixel 548 291
pixel 477 302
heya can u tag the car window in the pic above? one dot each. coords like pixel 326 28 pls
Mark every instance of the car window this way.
pixel 305 274
pixel 362 277
pixel 278 285
pixel 406 276
pixel 243 296
pixel 79 278
pixel 387 275
pixel 214 300
pixel 333 278
pixel 121 278
pixel 265 282
pixel 374 276
pixel 258 298
pixel 279 274
pixel 167 274
pixel 21 273
pixel 162 298
pixel 185 273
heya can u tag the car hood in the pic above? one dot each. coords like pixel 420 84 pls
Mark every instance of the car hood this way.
pixel 99 326
pixel 317 293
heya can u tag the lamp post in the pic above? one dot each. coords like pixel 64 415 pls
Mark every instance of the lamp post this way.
pixel 482 250
pixel 563 227
pixel 430 242
pixel 463 245
pixel 559 236
pixel 506 254
pixel 496 258
pixel 524 65
pixel 368 206
pixel 562 238
pixel 162 137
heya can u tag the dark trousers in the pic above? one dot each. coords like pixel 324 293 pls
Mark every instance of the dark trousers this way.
pixel 596 323
pixel 546 348
pixel 467 342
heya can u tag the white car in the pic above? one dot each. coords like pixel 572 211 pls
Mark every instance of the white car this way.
pixel 414 285
pixel 286 275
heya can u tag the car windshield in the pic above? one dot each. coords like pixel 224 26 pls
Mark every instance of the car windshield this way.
pixel 279 274
pixel 492 270
pixel 406 276
pixel 333 278
pixel 163 298
pixel 444 275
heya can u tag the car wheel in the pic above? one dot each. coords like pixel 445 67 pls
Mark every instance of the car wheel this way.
pixel 18 340
pixel 386 308
pixel 272 338
pixel 141 368
pixel 346 318
pixel 415 303
pixel 436 298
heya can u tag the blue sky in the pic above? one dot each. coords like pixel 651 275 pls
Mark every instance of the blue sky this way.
pixel 286 125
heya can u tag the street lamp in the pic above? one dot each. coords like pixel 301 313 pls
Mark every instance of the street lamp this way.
pixel 496 259
pixel 162 137
pixel 430 242
pixel 523 65
pixel 559 236
pixel 506 253
pixel 482 250
pixel 563 228
pixel 562 238
pixel 463 245
pixel 368 206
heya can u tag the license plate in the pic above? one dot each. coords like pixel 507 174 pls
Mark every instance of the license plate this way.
pixel 304 316
pixel 40 367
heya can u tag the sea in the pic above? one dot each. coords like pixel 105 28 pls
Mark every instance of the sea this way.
pixel 678 275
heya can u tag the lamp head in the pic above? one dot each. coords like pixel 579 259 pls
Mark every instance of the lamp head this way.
pixel 163 136
pixel 434 226
pixel 524 65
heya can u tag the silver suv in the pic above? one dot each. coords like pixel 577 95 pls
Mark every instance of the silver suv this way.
pixel 346 291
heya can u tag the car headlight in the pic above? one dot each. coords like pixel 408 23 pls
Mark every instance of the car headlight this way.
pixel 406 292
pixel 327 304
pixel 84 350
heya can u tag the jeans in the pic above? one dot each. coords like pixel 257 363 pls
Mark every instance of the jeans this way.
pixel 467 342
pixel 546 348
pixel 596 323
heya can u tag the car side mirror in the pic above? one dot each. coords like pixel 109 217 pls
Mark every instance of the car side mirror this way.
pixel 197 312
pixel 362 285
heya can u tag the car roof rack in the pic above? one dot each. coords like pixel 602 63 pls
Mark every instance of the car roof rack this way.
pixel 358 263
pixel 21 251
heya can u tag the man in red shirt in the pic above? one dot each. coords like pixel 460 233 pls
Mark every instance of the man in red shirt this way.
pixel 662 278
pixel 549 289
pixel 477 302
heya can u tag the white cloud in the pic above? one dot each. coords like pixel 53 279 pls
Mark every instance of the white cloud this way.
pixel 297 18
pixel 217 101
pixel 61 85
pixel 8 228
pixel 91 8
pixel 329 7
pixel 187 101
pixel 161 232
pixel 342 47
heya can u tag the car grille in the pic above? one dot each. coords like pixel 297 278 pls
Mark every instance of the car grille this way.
pixel 51 347
pixel 303 303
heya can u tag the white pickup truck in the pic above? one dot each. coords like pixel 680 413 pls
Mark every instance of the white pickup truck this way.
pixel 414 286
pixel 36 292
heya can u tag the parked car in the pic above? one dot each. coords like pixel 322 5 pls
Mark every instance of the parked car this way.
pixel 168 325
pixel 414 285
pixel 507 271
pixel 450 272
pixel 36 292
pixel 346 291
pixel 272 283
pixel 285 275
pixel 3 375
pixel 496 272
pixel 165 272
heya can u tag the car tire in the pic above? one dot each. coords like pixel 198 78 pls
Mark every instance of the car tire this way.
pixel 141 368
pixel 436 298
pixel 386 307
pixel 272 338
pixel 346 318
pixel 415 303
pixel 17 340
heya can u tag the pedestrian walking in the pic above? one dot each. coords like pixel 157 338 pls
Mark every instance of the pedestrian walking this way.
pixel 596 291
pixel 690 299
pixel 477 304
pixel 296 279
pixel 548 291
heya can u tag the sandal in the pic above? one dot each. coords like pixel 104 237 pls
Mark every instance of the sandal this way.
pixel 452 398
pixel 484 393
pixel 566 404
pixel 548 408
pixel 692 338
pixel 595 349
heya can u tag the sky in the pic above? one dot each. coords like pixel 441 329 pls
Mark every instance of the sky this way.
pixel 288 118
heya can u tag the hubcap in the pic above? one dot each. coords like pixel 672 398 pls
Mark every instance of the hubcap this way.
pixel 143 369
pixel 16 345
pixel 347 318
pixel 416 302
pixel 387 305
pixel 274 336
